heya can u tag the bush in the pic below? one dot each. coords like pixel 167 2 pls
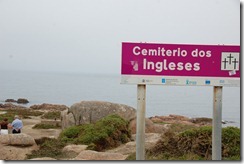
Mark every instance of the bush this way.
pixel 45 126
pixel 231 142
pixel 69 134
pixel 49 147
pixel 106 133
pixel 196 144
pixel 111 131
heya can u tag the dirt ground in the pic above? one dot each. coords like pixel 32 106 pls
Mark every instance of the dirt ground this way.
pixel 38 133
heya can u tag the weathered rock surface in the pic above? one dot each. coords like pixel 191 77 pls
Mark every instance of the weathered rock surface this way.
pixel 150 127
pixel 10 106
pixel 15 152
pixel 51 107
pixel 178 119
pixel 151 140
pixel 17 140
pixel 93 155
pixel 67 119
pixel 74 148
pixel 91 111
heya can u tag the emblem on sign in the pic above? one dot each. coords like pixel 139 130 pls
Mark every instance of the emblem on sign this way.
pixel 135 65
pixel 230 61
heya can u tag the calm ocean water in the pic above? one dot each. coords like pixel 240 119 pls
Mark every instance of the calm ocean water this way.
pixel 68 89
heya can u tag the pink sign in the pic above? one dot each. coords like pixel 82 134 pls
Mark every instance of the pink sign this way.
pixel 181 60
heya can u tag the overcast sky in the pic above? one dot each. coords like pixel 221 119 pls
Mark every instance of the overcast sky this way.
pixel 84 36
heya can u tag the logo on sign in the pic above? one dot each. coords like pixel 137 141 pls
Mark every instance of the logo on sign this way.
pixel 230 61
pixel 222 81
pixel 135 65
pixel 207 82
pixel 190 82
pixel 163 81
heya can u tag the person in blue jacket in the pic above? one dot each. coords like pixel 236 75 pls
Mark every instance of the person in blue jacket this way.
pixel 16 125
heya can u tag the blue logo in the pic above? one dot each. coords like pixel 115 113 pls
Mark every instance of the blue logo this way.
pixel 163 81
pixel 189 82
pixel 222 81
pixel 207 82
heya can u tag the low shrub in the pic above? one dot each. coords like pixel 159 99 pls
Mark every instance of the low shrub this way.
pixel 70 134
pixel 196 144
pixel 109 132
pixel 231 142
pixel 45 126
pixel 49 147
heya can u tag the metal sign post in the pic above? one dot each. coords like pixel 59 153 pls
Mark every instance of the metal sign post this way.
pixel 217 124
pixel 140 122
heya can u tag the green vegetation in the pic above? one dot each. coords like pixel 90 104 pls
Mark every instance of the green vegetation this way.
pixel 45 126
pixel 49 147
pixel 180 142
pixel 109 132
pixel 194 144
pixel 52 115
pixel 176 127
pixel 23 113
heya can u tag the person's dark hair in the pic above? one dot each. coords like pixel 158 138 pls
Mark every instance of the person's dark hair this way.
pixel 5 119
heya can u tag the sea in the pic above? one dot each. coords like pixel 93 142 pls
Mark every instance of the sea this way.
pixel 70 88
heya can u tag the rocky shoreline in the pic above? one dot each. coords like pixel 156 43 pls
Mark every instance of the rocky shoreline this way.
pixel 155 127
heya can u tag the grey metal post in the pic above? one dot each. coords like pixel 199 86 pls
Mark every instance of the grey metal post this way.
pixel 140 122
pixel 217 124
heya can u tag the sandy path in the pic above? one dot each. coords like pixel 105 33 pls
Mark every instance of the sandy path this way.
pixel 38 133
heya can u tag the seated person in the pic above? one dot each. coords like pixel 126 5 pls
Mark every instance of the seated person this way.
pixel 4 126
pixel 16 125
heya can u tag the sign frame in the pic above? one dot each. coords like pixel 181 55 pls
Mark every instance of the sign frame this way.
pixel 143 63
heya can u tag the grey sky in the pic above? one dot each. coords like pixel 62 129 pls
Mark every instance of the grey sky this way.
pixel 86 35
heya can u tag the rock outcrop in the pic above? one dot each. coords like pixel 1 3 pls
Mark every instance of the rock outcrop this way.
pixel 178 119
pixel 19 101
pixel 151 140
pixel 11 106
pixel 74 148
pixel 86 112
pixel 11 100
pixel 67 119
pixel 22 101
pixel 50 107
pixel 15 152
pixel 150 127
pixel 17 140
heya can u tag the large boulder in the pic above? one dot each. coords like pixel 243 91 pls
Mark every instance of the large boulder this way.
pixel 93 155
pixel 17 140
pixel 15 152
pixel 86 112
pixel 67 119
